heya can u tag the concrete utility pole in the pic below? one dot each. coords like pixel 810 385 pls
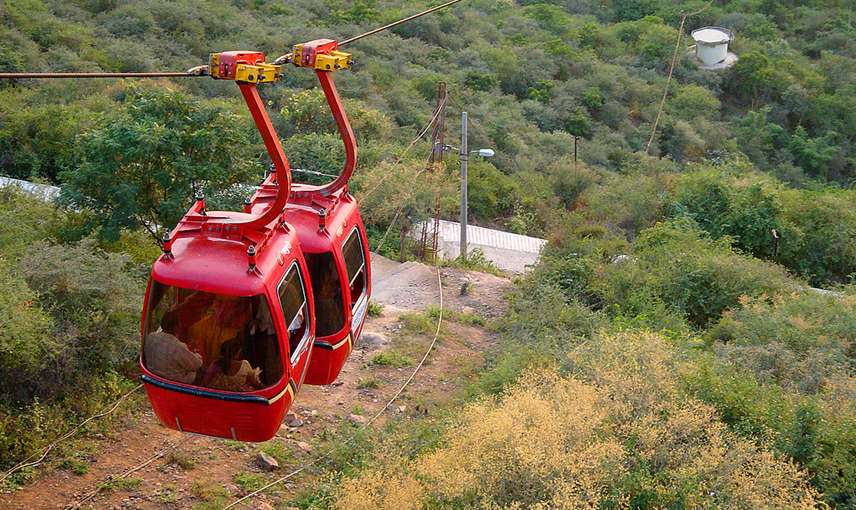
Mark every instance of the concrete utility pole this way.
pixel 464 156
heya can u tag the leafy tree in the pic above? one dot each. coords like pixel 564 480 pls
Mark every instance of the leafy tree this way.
pixel 593 99
pixel 481 81
pixel 142 169
pixel 813 154
pixel 754 215
pixel 632 10
pixel 751 78
pixel 590 36
pixel 578 125
pixel 551 17
pixel 759 139
pixel 692 101
pixel 542 91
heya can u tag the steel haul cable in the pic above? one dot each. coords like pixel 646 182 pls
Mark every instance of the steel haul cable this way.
pixel 352 39
pixel 124 475
pixel 400 158
pixel 50 447
pixel 97 75
pixel 684 17
pixel 193 74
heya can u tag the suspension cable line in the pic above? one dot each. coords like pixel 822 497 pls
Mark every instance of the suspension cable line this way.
pixel 98 75
pixel 193 72
pixel 352 39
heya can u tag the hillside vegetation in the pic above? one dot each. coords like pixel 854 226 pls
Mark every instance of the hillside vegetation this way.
pixel 667 352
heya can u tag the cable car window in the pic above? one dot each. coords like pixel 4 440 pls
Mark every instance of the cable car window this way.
pixel 211 340
pixel 292 299
pixel 327 293
pixel 355 264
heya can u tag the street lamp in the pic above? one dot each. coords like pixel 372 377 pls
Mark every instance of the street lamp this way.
pixel 485 153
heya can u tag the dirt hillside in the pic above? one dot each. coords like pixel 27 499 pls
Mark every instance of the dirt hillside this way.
pixel 138 464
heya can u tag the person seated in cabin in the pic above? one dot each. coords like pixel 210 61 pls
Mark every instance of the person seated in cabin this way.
pixel 231 373
pixel 191 309
pixel 225 320
pixel 168 357
pixel 297 322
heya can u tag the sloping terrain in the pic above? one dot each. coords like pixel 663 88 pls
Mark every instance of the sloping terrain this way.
pixel 200 472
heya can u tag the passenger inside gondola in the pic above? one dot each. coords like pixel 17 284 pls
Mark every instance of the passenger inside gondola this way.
pixel 168 357
pixel 261 346
pixel 212 340
pixel 224 321
pixel 230 372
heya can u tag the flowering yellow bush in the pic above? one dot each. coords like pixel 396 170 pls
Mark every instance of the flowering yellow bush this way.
pixel 618 434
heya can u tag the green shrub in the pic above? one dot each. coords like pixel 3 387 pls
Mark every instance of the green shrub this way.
pixel 92 291
pixel 803 320
pixel 375 309
pixel 815 430
pixel 679 266
pixel 68 322
pixel 391 358
pixel 820 239
pixel 619 433
pixel 28 349
pixel 815 228
pixel 630 202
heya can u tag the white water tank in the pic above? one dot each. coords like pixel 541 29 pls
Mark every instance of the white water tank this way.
pixel 712 44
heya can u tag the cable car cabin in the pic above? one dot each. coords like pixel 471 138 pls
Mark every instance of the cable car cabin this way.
pixel 228 324
pixel 334 245
pixel 331 233
pixel 225 350
pixel 229 330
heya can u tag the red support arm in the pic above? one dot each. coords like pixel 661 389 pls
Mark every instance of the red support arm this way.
pixel 345 131
pixel 274 148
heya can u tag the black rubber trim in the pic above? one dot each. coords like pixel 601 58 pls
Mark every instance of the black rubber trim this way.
pixel 323 345
pixel 198 392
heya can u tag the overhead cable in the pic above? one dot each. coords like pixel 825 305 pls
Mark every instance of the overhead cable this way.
pixel 352 39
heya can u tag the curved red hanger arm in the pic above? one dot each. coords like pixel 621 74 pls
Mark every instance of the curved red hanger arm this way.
pixel 324 56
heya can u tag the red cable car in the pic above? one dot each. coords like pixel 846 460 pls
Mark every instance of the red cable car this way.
pixel 229 321
pixel 331 232
pixel 332 235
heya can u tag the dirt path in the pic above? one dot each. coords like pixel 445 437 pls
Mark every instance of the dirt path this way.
pixel 204 473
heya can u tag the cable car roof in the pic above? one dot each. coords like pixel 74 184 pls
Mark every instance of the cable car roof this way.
pixel 214 263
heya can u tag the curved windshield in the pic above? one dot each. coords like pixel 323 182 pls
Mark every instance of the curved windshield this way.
pixel 292 300
pixel 211 340
pixel 355 263
pixel 327 292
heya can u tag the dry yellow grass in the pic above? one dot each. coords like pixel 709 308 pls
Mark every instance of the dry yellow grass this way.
pixel 619 432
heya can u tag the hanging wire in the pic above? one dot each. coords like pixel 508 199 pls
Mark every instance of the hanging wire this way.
pixel 24 464
pixel 98 75
pixel 190 73
pixel 352 39
pixel 400 158
pixel 123 476
pixel 484 135
pixel 368 423
pixel 403 204
pixel 684 17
